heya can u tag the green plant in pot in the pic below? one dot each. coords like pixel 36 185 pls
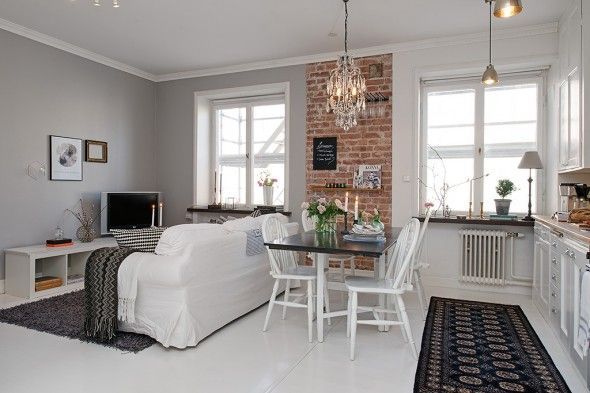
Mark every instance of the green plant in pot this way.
pixel 504 188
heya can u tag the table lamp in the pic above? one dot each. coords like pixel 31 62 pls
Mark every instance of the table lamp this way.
pixel 530 160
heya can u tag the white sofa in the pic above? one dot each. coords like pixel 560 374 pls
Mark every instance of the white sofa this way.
pixel 199 280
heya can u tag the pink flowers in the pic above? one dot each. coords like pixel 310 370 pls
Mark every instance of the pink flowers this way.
pixel 265 180
pixel 321 209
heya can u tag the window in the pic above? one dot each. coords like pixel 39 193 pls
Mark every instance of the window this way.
pixel 250 144
pixel 471 131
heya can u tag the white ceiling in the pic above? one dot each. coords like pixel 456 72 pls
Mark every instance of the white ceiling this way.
pixel 168 36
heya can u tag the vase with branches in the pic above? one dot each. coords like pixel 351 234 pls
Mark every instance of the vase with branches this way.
pixel 86 213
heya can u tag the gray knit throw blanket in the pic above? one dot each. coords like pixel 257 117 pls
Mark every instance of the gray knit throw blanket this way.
pixel 100 284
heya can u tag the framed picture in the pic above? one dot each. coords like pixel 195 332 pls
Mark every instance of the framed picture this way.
pixel 96 151
pixel 65 158
pixel 368 177
pixel 325 154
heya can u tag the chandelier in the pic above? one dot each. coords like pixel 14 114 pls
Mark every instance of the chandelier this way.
pixel 115 3
pixel 346 86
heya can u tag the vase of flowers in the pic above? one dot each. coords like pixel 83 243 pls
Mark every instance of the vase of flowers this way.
pixel 267 183
pixel 323 212
pixel 87 216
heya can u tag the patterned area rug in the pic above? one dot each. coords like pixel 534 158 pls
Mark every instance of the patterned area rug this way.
pixel 64 316
pixel 470 347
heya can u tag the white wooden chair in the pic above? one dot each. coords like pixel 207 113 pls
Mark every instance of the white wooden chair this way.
pixel 396 283
pixel 308 225
pixel 283 266
pixel 418 266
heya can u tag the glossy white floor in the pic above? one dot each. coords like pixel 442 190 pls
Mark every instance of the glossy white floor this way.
pixel 239 358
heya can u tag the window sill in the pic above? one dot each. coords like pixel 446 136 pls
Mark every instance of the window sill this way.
pixel 478 221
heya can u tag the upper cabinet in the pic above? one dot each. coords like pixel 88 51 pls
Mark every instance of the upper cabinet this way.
pixel 574 39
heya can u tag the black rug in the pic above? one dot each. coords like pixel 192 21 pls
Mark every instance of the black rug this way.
pixel 470 347
pixel 64 316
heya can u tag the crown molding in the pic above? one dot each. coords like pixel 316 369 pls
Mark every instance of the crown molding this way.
pixel 527 31
pixel 73 49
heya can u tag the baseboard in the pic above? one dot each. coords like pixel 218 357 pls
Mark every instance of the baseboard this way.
pixel 456 284
pixel 1 287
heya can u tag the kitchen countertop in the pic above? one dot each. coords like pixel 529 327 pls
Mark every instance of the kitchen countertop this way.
pixel 565 227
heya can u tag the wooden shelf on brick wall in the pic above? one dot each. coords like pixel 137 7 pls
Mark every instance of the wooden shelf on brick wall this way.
pixel 317 187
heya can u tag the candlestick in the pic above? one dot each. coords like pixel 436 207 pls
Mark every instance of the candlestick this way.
pixel 480 209
pixel 153 215
pixel 160 214
pixel 220 187
pixel 215 188
pixel 345 231
pixel 346 202
pixel 356 208
pixel 470 210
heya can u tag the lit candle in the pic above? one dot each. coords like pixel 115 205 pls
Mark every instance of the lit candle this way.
pixel 153 215
pixel 356 208
pixel 160 214
pixel 346 202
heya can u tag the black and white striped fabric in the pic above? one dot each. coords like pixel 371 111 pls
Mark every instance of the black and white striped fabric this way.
pixel 256 213
pixel 144 240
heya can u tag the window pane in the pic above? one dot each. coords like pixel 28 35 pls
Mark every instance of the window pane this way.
pixel 231 131
pixel 507 168
pixel 511 103
pixel 233 182
pixel 268 111
pixel 451 108
pixel 454 172
pixel 511 133
pixel 451 136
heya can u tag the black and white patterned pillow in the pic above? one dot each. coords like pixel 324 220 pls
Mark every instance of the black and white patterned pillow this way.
pixel 256 213
pixel 144 240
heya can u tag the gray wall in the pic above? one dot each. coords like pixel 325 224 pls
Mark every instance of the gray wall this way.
pixel 175 125
pixel 46 91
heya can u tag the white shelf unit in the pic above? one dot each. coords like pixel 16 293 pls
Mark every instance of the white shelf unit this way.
pixel 23 264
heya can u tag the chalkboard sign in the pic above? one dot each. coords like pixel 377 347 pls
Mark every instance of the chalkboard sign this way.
pixel 325 154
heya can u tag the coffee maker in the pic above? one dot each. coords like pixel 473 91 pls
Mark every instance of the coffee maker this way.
pixel 572 196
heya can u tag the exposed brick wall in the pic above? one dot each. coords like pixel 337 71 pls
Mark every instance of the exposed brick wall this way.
pixel 367 143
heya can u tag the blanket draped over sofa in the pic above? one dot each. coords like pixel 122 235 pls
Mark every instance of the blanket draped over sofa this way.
pixel 100 282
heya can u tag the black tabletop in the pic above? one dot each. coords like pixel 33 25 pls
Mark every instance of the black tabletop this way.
pixel 335 244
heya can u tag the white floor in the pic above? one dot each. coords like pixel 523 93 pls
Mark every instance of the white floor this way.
pixel 239 358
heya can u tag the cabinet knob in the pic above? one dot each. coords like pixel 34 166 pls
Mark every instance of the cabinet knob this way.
pixel 554 310
pixel 553 277
pixel 567 251
pixel 553 294
pixel 554 244
pixel 554 261
pixel 572 255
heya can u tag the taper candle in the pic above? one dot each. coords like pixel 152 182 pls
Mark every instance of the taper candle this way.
pixel 160 214
pixel 356 208
pixel 346 202
pixel 153 215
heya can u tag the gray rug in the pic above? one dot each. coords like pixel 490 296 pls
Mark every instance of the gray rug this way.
pixel 64 316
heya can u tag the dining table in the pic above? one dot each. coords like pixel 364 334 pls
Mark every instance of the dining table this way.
pixel 324 244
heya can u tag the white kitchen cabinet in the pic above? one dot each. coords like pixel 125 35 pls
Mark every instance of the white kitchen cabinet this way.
pixel 541 289
pixel 574 150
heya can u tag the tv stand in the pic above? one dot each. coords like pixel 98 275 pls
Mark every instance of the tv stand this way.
pixel 24 263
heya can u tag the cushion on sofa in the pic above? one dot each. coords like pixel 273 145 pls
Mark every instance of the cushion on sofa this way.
pixel 144 239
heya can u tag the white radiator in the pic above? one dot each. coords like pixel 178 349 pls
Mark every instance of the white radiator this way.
pixel 483 257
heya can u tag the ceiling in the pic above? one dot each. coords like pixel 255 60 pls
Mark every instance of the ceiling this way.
pixel 169 36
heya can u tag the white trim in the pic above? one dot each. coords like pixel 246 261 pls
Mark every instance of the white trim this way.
pixel 527 31
pixel 2 291
pixel 73 49
pixel 443 282
pixel 209 96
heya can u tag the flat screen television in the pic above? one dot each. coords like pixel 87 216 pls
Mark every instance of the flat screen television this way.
pixel 128 210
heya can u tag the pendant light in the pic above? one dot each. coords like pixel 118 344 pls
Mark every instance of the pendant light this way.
pixel 346 86
pixel 507 8
pixel 490 76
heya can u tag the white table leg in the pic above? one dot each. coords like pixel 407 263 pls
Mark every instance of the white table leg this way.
pixel 379 272
pixel 321 261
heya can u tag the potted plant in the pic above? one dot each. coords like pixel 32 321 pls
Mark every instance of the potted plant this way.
pixel 323 213
pixel 267 183
pixel 504 188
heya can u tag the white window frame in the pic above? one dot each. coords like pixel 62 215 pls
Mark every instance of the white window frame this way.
pixel 441 85
pixel 248 103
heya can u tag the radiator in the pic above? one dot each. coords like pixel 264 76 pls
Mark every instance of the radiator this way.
pixel 483 257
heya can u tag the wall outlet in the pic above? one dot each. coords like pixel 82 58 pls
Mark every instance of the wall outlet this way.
pixel 406 179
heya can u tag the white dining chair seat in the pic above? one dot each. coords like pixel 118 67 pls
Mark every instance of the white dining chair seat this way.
pixel 372 285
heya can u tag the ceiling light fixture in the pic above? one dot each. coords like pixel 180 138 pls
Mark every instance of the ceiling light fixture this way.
pixel 116 3
pixel 490 76
pixel 507 8
pixel 346 86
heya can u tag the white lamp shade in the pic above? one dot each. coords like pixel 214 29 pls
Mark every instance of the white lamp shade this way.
pixel 530 160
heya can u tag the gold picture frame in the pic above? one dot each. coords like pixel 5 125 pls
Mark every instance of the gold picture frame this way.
pixel 96 151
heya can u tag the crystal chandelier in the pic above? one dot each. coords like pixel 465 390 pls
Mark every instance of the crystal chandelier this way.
pixel 346 86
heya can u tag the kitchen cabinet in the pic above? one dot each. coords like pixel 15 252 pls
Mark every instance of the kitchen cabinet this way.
pixel 560 261
pixel 572 146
